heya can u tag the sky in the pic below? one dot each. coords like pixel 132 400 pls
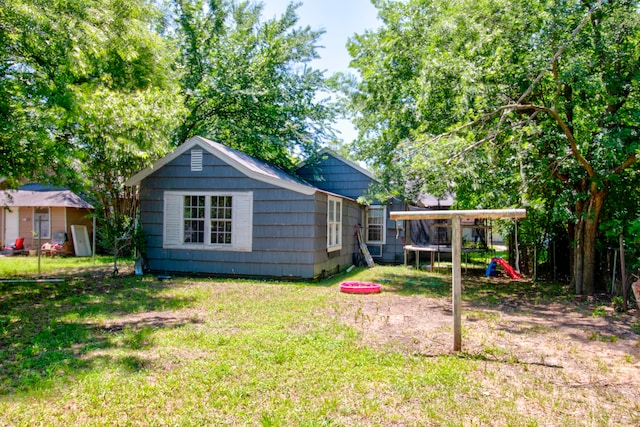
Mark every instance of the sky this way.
pixel 340 19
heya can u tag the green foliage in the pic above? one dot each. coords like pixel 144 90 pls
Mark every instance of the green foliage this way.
pixel 116 235
pixel 436 66
pixel 505 103
pixel 88 98
pixel 246 82
pixel 60 58
pixel 618 304
pixel 600 311
pixel 635 327
pixel 595 336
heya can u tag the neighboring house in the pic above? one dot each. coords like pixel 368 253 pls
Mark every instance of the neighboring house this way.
pixel 209 209
pixel 35 212
pixel 384 237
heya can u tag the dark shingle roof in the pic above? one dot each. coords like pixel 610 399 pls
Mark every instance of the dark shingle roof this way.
pixel 39 195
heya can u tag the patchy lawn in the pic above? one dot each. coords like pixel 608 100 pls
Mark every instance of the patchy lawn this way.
pixel 94 350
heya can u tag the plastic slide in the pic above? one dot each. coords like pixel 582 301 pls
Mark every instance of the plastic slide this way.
pixel 507 268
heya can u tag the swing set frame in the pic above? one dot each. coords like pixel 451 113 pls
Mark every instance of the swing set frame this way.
pixel 456 249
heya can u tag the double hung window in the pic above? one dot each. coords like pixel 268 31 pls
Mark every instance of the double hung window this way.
pixel 334 224
pixel 42 223
pixel 221 209
pixel 208 220
pixel 375 224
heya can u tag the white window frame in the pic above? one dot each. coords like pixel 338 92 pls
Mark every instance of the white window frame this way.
pixel 46 230
pixel 383 225
pixel 334 224
pixel 241 221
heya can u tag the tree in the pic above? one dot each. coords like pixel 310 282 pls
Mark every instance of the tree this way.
pixel 61 59
pixel 506 102
pixel 246 83
pixel 87 96
pixel 31 105
pixel 120 134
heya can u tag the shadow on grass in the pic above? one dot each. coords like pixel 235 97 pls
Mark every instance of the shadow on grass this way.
pixel 417 284
pixel 476 287
pixel 489 356
pixel 49 330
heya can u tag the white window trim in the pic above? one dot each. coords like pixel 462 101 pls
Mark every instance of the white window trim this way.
pixel 241 220
pixel 46 231
pixel 383 231
pixel 334 228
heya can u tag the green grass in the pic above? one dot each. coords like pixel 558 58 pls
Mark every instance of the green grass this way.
pixel 27 266
pixel 97 350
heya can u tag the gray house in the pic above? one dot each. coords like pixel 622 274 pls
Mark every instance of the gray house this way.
pixel 209 209
pixel 384 237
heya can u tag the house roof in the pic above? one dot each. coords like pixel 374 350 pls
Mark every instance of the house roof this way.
pixel 42 196
pixel 349 163
pixel 429 201
pixel 247 165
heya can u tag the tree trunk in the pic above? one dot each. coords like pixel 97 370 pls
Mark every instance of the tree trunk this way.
pixel 578 256
pixel 586 243
pixel 623 270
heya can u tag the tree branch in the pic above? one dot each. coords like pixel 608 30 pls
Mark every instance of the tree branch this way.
pixel 559 52
pixel 565 128
pixel 633 158
pixel 519 106
pixel 560 176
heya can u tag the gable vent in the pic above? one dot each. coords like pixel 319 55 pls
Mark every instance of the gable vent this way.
pixel 196 160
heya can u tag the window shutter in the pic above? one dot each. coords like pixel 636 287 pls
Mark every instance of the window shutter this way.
pixel 173 226
pixel 196 160
pixel 242 217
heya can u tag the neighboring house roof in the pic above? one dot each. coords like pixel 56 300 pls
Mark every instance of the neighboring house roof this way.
pixel 37 195
pixel 247 165
pixel 429 201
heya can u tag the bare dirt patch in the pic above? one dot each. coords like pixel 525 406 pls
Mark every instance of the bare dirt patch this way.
pixel 519 344
pixel 152 319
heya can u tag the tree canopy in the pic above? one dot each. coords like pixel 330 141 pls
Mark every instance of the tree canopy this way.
pixel 91 92
pixel 247 82
pixel 507 103
pixel 64 63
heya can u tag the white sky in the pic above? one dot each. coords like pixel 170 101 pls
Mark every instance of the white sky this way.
pixel 340 19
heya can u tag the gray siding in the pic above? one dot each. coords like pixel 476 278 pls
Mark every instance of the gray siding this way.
pixel 334 175
pixel 393 251
pixel 289 228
